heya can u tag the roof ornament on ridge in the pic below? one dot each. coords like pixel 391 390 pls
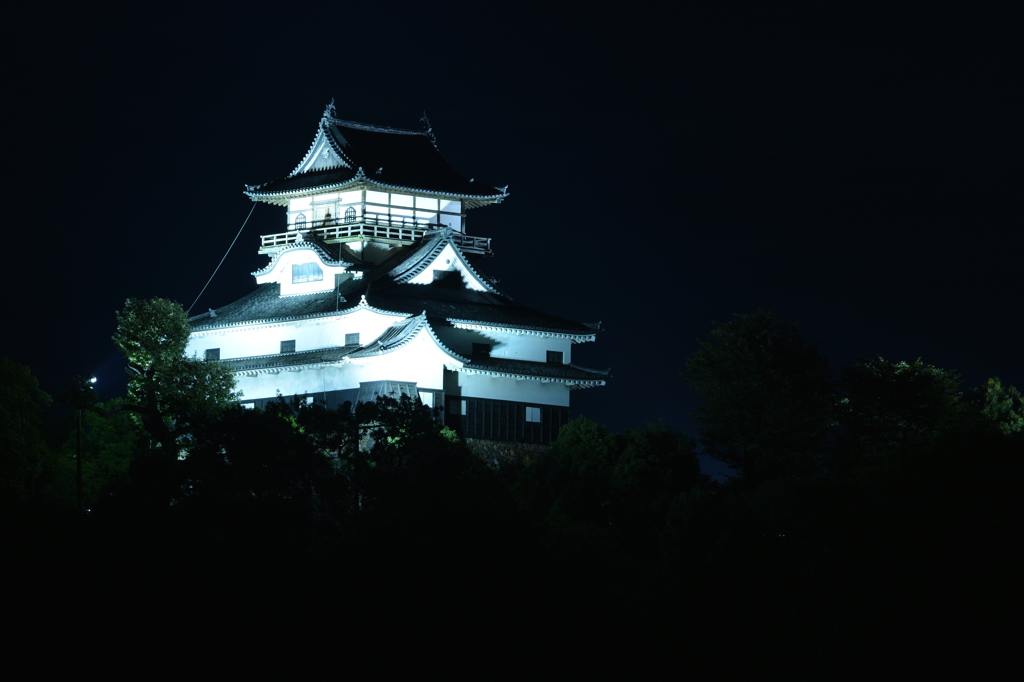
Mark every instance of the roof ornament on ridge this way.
pixel 428 129
pixel 329 113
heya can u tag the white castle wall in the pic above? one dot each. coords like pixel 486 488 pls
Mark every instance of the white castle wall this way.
pixel 505 344
pixel 506 388
pixel 326 332
pixel 419 361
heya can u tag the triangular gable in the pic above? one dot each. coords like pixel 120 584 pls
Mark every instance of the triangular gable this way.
pixel 411 352
pixel 445 256
pixel 323 154
pixel 400 335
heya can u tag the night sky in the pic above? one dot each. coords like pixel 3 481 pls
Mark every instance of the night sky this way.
pixel 856 173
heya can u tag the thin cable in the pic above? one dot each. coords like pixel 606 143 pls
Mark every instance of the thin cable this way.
pixel 222 259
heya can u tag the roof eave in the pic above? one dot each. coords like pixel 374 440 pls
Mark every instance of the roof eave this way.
pixel 361 181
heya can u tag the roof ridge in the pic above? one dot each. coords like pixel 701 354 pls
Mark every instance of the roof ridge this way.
pixel 404 333
pixel 420 264
pixel 372 128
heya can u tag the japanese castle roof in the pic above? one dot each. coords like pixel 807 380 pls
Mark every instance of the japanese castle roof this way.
pixel 386 287
pixel 345 154
pixel 464 307
pixel 306 243
pixel 577 377
pixel 404 331
pixel 323 356
pixel 459 307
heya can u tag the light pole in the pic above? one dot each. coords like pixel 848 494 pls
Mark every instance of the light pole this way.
pixel 86 396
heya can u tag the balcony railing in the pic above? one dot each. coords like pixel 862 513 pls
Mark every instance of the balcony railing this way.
pixel 383 228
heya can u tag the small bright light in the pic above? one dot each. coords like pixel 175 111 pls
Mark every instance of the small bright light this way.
pixel 92 380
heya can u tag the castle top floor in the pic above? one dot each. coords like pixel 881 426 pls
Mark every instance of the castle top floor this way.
pixel 359 182
pixel 346 156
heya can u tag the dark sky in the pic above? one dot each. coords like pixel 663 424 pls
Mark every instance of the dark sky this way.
pixel 859 174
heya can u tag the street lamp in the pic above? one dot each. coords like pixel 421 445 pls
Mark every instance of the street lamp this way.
pixel 85 396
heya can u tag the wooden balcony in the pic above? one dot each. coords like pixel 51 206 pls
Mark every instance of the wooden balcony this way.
pixel 381 229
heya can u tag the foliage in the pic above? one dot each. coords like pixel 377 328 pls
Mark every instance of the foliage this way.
pixel 999 407
pixel 894 405
pixel 23 451
pixel 767 397
pixel 410 467
pixel 249 456
pixel 383 461
pixel 594 476
pixel 109 444
pixel 168 391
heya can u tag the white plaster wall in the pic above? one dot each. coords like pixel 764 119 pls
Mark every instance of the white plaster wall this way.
pixel 448 261
pixel 505 344
pixel 455 222
pixel 505 388
pixel 282 273
pixel 300 204
pixel 327 332
pixel 528 347
pixel 420 361
pixel 310 381
pixel 426 207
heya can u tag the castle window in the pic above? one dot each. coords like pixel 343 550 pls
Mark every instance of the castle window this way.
pixel 306 272
pixel 555 357
pixel 350 214
pixel 213 353
pixel 300 221
pixel 533 414
pixel 352 339
pixel 288 346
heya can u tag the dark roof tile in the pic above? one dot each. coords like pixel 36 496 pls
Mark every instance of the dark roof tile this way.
pixel 397 158
pixel 536 369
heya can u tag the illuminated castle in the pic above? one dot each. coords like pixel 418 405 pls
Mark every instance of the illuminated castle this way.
pixel 373 290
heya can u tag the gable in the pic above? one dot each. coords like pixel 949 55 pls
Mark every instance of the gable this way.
pixel 302 270
pixel 448 259
pixel 322 155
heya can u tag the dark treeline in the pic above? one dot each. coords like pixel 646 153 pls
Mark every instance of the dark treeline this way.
pixel 868 521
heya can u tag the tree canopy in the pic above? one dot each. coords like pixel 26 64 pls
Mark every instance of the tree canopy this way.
pixel 1001 408
pixel 893 405
pixel 22 448
pixel 767 396
pixel 167 390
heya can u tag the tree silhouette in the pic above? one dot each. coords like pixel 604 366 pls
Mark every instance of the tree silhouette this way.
pixel 890 406
pixel 168 391
pixel 767 397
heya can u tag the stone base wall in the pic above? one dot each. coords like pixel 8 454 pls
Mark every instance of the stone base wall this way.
pixel 498 454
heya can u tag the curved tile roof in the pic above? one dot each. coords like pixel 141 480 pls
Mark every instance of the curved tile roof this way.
pixel 456 306
pixel 389 157
pixel 537 370
pixel 257 363
pixel 265 305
